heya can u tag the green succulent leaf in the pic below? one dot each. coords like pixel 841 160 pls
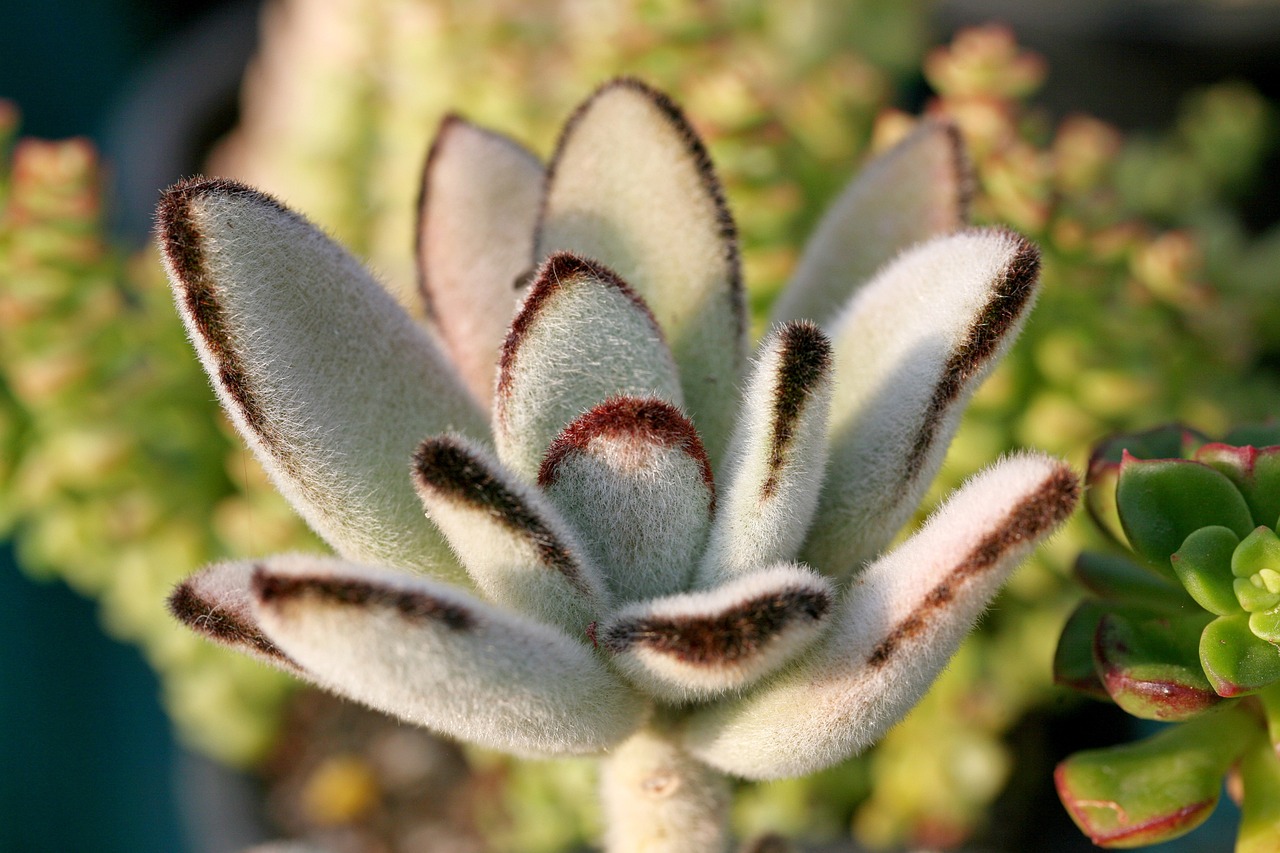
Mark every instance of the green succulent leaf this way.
pixel 1260 817
pixel 1203 564
pixel 1257 435
pixel 1156 789
pixel 1073 660
pixel 1150 666
pixel 1255 471
pixel 1118 578
pixel 1235 659
pixel 1171 441
pixel 1266 625
pixel 1269 698
pixel 1163 501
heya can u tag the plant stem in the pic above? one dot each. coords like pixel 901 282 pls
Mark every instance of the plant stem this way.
pixel 658 799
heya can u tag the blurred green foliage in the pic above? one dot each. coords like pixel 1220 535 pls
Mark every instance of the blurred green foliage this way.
pixel 120 476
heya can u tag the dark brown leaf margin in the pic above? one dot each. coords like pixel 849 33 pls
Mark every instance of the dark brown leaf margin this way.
pixel 217 622
pixel 272 590
pixel 1034 516
pixel 648 418
pixel 445 465
pixel 804 362
pixel 697 151
pixel 735 633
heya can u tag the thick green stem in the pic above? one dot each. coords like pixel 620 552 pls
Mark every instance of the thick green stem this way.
pixel 658 799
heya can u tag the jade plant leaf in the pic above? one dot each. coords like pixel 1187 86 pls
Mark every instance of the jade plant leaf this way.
pixel 1260 812
pixel 1171 441
pixel 1162 501
pixel 1203 564
pixel 1073 660
pixel 1255 471
pixel 1151 666
pixel 1118 578
pixel 1237 661
pixel 1158 788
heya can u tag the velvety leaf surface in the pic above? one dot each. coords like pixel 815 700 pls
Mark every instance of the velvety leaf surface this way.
pixel 916 190
pixel 1156 789
pixel 631 186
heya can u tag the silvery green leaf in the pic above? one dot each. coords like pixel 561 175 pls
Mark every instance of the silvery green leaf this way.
pixel 697 645
pixel 777 456
pixel 508 535
pixel 898 625
pixel 476 214
pixel 910 349
pixel 631 185
pixel 916 190
pixel 434 656
pixel 632 478
pixel 581 336
pixel 325 376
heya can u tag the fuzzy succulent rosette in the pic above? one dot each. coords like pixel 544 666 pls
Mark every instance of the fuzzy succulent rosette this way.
pixel 655 547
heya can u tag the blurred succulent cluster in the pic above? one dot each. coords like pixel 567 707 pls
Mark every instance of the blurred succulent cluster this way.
pixel 116 470
pixel 1183 628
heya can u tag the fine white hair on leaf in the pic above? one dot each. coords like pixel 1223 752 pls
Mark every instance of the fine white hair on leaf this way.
pixel 478 206
pixel 508 535
pixel 215 602
pixel 909 351
pixel 631 185
pixel 916 190
pixel 777 456
pixel 697 645
pixel 895 630
pixel 632 478
pixel 580 336
pixel 327 378
pixel 434 656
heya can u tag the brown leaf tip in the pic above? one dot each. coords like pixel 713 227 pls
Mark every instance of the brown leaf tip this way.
pixel 446 466
pixel 962 168
pixel 804 362
pixel 221 624
pixel 560 270
pixel 1010 298
pixel 645 419
pixel 1035 516
pixel 728 637
pixel 274 589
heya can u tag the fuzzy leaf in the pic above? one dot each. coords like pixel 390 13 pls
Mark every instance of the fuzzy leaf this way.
pixel 328 380
pixel 476 214
pixel 1163 501
pixel 631 185
pixel 1158 788
pixel 916 190
pixel 1236 661
pixel 1118 578
pixel 432 655
pixel 1151 666
pixel 897 627
pixel 910 349
pixel 581 336
pixel 631 476
pixel 512 541
pixel 700 644
pixel 779 454
pixel 1203 566
pixel 215 602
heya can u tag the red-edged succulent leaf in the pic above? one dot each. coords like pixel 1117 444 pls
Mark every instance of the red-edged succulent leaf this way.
pixel 1170 441
pixel 1151 667
pixel 1256 473
pixel 1203 565
pixel 1235 659
pixel 1163 501
pixel 1260 812
pixel 1118 578
pixel 1156 789
pixel 1073 660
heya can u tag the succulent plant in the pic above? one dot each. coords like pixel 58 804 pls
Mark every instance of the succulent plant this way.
pixel 578 584
pixel 1182 629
